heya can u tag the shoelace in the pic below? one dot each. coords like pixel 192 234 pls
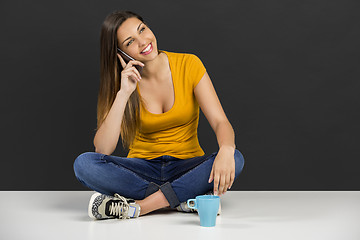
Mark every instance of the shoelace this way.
pixel 115 208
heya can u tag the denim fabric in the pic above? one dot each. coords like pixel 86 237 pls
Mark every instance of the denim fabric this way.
pixel 137 178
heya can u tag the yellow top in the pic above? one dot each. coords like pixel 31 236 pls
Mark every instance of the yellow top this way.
pixel 174 132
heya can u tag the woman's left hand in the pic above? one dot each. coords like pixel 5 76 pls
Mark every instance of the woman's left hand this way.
pixel 223 170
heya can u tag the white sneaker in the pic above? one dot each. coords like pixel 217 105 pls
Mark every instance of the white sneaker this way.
pixel 102 206
pixel 183 207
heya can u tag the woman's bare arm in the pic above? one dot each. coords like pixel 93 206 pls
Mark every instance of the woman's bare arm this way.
pixel 107 136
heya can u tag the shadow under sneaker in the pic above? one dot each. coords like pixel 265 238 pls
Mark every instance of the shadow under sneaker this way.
pixel 183 207
pixel 102 206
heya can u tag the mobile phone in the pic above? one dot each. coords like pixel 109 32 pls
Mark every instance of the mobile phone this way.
pixel 127 58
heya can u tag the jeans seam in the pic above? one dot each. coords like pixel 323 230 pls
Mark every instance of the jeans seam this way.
pixel 128 170
pixel 124 167
pixel 196 166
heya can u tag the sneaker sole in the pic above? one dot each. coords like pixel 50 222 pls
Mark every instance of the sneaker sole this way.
pixel 91 203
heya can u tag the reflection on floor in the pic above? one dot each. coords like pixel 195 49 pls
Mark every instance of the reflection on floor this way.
pixel 289 215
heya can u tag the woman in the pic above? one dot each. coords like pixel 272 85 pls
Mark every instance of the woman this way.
pixel 156 114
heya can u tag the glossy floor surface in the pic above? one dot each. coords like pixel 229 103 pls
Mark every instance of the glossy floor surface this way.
pixel 245 215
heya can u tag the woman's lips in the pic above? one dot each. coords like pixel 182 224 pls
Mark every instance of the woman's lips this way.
pixel 150 50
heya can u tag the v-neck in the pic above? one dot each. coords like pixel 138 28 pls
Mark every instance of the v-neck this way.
pixel 174 87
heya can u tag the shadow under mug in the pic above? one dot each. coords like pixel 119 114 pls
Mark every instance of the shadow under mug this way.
pixel 207 207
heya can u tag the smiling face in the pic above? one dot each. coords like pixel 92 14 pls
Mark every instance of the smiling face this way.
pixel 137 40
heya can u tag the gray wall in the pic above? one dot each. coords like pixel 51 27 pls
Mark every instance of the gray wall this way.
pixel 286 73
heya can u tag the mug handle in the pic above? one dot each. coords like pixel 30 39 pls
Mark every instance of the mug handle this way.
pixel 194 200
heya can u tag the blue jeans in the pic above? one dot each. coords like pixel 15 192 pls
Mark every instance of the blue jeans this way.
pixel 137 178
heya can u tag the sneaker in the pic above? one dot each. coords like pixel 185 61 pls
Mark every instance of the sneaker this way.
pixel 183 207
pixel 102 206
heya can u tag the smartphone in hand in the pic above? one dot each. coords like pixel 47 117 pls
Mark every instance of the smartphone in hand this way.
pixel 127 58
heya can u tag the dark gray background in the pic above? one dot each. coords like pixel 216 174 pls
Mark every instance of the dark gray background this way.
pixel 286 73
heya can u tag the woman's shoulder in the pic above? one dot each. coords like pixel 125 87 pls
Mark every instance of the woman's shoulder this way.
pixel 180 54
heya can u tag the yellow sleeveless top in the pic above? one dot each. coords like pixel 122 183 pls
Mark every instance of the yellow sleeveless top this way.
pixel 174 132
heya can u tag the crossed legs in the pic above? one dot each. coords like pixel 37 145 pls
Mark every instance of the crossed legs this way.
pixel 109 174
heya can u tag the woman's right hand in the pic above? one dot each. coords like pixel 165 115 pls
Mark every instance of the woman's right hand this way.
pixel 130 76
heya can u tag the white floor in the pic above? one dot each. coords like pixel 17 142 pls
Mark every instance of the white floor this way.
pixel 245 215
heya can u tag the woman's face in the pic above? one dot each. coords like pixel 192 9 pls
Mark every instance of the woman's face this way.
pixel 134 37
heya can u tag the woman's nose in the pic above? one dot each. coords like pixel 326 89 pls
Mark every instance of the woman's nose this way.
pixel 143 43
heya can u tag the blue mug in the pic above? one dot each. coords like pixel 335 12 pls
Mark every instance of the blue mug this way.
pixel 207 207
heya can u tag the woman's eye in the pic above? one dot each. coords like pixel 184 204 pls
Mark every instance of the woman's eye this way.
pixel 141 30
pixel 129 42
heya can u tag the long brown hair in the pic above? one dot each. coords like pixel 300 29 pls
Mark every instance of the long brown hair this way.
pixel 110 69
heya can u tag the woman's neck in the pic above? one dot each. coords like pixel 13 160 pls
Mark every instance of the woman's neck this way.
pixel 154 68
